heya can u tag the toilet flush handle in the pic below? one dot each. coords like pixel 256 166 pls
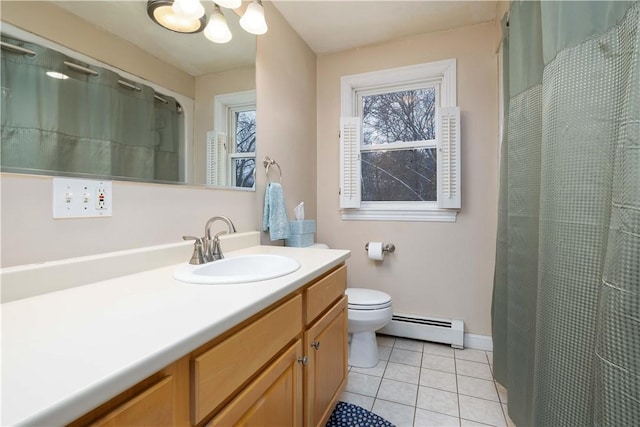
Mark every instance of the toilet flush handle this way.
pixel 315 344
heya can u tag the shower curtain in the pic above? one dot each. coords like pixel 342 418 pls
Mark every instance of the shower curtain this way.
pixel 566 301
pixel 85 123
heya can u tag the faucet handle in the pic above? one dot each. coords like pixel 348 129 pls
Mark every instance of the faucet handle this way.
pixel 198 252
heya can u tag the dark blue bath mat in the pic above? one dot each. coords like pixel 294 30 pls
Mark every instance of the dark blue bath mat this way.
pixel 349 415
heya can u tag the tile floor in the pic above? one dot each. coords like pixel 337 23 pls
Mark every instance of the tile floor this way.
pixel 424 384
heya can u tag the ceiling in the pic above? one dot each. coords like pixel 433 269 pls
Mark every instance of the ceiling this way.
pixel 337 25
pixel 326 26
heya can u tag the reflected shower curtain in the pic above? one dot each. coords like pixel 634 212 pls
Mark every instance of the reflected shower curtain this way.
pixel 85 123
pixel 566 302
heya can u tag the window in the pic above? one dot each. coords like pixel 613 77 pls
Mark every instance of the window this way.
pixel 400 144
pixel 243 155
pixel 231 148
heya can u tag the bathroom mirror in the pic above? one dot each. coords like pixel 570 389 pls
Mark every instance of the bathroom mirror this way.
pixel 209 154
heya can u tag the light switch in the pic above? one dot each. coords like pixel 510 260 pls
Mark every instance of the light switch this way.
pixel 81 198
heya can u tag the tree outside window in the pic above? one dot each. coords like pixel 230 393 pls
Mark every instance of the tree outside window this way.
pixel 245 145
pixel 398 154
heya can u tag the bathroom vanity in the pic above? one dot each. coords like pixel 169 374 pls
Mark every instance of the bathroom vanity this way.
pixel 145 349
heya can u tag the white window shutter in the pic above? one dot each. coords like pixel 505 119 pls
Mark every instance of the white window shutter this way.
pixel 350 162
pixel 448 138
pixel 216 158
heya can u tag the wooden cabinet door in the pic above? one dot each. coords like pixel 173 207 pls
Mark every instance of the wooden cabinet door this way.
pixel 272 399
pixel 326 372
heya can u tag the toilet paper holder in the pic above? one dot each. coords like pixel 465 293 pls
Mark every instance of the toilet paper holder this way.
pixel 386 247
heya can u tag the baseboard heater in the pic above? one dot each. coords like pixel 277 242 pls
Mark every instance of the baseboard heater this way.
pixel 447 331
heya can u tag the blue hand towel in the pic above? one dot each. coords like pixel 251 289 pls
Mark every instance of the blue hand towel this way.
pixel 275 213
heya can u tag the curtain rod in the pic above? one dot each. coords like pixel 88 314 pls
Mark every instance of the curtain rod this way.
pixel 80 68
pixel 18 49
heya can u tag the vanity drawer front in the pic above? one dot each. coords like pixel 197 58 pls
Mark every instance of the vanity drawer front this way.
pixel 325 291
pixel 220 371
pixel 153 407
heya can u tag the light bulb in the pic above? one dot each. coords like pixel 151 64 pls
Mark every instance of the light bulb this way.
pixel 253 19
pixel 189 9
pixel 230 4
pixel 57 75
pixel 217 29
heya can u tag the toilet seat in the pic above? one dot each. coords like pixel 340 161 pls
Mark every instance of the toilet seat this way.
pixel 367 299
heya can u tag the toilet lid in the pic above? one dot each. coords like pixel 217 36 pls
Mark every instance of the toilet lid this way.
pixel 367 299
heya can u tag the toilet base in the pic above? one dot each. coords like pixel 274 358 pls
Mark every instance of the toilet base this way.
pixel 363 349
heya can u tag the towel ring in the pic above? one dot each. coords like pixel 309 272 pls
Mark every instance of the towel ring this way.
pixel 267 162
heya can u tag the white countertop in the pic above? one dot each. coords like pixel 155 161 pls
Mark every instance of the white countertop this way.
pixel 66 352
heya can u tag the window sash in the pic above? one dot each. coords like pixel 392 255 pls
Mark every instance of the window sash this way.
pixel 397 146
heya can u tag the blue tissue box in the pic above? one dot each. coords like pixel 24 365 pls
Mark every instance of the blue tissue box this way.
pixel 304 226
pixel 299 240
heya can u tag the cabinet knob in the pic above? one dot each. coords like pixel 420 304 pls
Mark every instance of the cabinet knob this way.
pixel 303 360
pixel 315 344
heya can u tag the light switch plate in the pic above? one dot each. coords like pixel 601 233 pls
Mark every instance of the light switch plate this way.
pixel 81 198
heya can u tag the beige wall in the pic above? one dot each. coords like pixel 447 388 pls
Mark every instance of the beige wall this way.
pixel 207 87
pixel 147 214
pixel 438 269
pixel 286 81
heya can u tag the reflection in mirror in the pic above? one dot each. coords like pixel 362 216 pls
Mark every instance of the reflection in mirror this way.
pixel 231 148
pixel 186 140
pixel 65 116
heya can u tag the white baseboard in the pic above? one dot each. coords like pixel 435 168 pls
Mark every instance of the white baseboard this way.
pixel 478 342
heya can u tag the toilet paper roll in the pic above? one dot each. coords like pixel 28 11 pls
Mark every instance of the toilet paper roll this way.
pixel 375 251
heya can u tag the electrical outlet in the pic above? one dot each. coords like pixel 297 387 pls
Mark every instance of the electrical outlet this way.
pixel 101 198
pixel 74 198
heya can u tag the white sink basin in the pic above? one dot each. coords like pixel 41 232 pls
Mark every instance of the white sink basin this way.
pixel 240 269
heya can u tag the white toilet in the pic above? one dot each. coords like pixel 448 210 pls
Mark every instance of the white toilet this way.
pixel 368 310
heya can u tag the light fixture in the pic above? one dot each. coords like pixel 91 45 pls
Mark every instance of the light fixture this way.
pixel 217 29
pixel 229 4
pixel 161 12
pixel 188 9
pixel 57 75
pixel 188 16
pixel 253 19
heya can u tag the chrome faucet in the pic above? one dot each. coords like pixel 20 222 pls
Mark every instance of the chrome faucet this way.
pixel 197 257
pixel 212 250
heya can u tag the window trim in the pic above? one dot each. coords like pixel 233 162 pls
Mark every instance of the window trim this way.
pixel 224 106
pixel 440 73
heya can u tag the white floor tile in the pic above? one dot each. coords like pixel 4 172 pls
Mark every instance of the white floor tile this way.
pixel 385 340
pixel 505 410
pixel 424 384
pixel 376 371
pixel 481 410
pixel 502 393
pixel 469 423
pixel 476 387
pixel 365 402
pixel 438 379
pixel 384 352
pixel 397 391
pixel 439 363
pixel 401 372
pixel 407 344
pixel 435 400
pixel 473 369
pixel 473 355
pixel 433 419
pixel 363 384
pixel 438 349
pixel 396 413
pixel 406 356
